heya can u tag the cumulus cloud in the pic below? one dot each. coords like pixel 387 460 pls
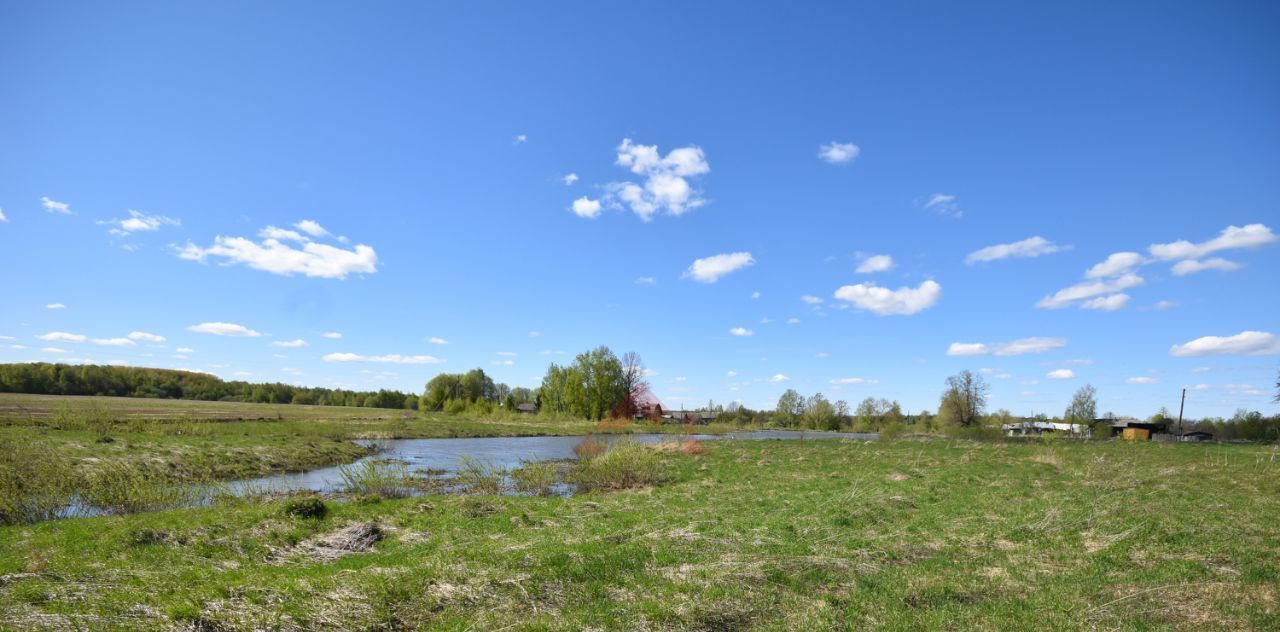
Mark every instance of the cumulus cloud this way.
pixel 61 336
pixel 569 178
pixel 732 374
pixel 1231 238
pixel 710 269
pixel 114 342
pixel 54 206
pixel 942 204
pixel 291 344
pixel 875 263
pixel 741 331
pixel 520 139
pixel 1142 380
pixel 224 329
pixel 1191 266
pixel 1116 264
pixel 332 335
pixel 382 359
pixel 1243 343
pixel 1061 374
pixel 139 222
pixel 839 153
pixel 1089 289
pixel 142 336
pixel 1029 247
pixel 647 280
pixel 812 300
pixel 2 216
pixel 779 378
pixel 1021 346
pixel 435 340
pixel 273 255
pixel 1109 303
pixel 885 302
pixel 666 186
pixel 55 306
pixel 1163 305
pixel 586 207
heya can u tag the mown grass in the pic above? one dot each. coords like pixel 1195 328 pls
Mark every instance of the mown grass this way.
pixel 773 535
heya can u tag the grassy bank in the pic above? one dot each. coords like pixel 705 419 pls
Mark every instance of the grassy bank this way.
pixel 750 535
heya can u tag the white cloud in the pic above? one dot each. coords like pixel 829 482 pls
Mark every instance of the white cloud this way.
pixel 852 380
pixel 821 354
pixel 839 153
pixel 886 302
pixel 332 335
pixel 755 295
pixel 17 347
pixel 1089 289
pixel 504 362
pixel 666 185
pixel 710 269
pixel 1116 264
pixel 646 281
pixel 224 329
pixel 812 300
pixel 435 340
pixel 55 306
pixel 967 349
pixel 142 336
pixel 507 353
pixel 1061 374
pixel 742 331
pixel 1021 346
pixel 1232 237
pixel 114 342
pixel 2 216
pixel 290 343
pixel 586 207
pixel 1191 266
pixel 1243 343
pixel 312 227
pixel 943 204
pixel 53 206
pixel 875 263
pixel 793 321
pixel 520 139
pixel 53 350
pixel 1029 247
pixel 118 362
pixel 272 255
pixel 1163 305
pixel 382 359
pixel 779 378
pixel 732 374
pixel 1109 303
pixel 61 336
pixel 534 334
pixel 1142 380
pixel 569 179
pixel 185 350
pixel 139 222
pixel 766 320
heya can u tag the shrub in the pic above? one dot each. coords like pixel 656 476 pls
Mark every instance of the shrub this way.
pixel 588 448
pixel 305 507
pixel 36 483
pixel 387 479
pixel 535 478
pixel 479 477
pixel 624 465
pixel 124 488
pixel 692 446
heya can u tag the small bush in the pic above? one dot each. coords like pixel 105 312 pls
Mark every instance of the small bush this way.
pixel 124 488
pixel 387 479
pixel 36 483
pixel 692 447
pixel 479 477
pixel 535 478
pixel 588 448
pixel 305 507
pixel 624 465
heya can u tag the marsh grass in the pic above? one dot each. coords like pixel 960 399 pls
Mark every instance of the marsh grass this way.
pixel 536 478
pixel 588 448
pixel 479 477
pixel 126 488
pixel 378 477
pixel 36 483
pixel 624 465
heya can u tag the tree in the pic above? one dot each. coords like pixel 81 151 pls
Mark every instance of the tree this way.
pixel 634 386
pixel 819 414
pixel 965 400
pixel 790 407
pixel 1083 409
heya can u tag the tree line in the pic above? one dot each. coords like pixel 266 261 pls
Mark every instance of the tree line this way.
pixel 43 378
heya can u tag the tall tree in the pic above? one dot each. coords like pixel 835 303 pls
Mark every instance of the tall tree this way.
pixel 1083 409
pixel 790 406
pixel 965 399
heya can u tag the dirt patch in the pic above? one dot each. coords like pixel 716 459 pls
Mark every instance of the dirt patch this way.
pixel 898 476
pixel 354 538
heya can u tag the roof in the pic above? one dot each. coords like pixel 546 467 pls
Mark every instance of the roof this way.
pixel 527 407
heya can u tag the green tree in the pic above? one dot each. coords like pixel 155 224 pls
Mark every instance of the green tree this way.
pixel 790 407
pixel 965 400
pixel 1083 409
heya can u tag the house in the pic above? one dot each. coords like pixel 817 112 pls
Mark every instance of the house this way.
pixel 1197 436
pixel 690 416
pixel 1033 427
pixel 528 409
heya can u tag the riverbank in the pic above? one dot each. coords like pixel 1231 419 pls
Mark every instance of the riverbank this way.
pixel 750 535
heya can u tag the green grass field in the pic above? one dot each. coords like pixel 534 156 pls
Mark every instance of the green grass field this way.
pixel 778 535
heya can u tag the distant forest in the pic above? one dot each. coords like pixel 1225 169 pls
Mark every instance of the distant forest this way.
pixel 121 381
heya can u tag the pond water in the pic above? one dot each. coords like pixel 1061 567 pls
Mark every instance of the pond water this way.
pixel 507 453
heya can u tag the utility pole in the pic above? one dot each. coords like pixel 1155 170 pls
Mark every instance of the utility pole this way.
pixel 1180 407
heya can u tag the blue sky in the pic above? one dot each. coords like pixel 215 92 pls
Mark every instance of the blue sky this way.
pixel 398 173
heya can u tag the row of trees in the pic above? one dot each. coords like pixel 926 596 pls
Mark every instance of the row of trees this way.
pixel 595 385
pixel 119 381
pixel 471 391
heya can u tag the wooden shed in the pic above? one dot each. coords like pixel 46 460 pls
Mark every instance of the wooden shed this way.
pixel 1136 434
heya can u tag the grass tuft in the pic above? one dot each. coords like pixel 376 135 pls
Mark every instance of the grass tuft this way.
pixel 535 478
pixel 377 477
pixel 479 477
pixel 625 465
